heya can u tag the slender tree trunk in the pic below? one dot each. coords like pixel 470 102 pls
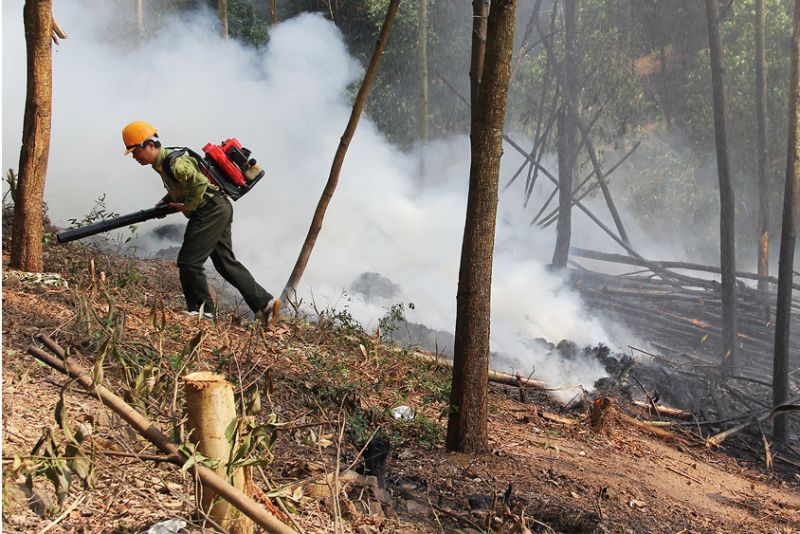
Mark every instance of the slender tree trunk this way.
pixel 564 222
pixel 139 16
pixel 423 82
pixel 567 139
pixel 726 198
pixel 27 229
pixel 467 423
pixel 666 88
pixel 273 11
pixel 783 316
pixel 480 13
pixel 290 290
pixel 423 71
pixel 761 134
pixel 222 7
pixel 601 179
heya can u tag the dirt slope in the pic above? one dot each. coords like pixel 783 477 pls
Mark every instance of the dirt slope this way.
pixel 547 471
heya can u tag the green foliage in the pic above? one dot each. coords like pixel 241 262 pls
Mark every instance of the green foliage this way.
pixel 249 21
pixel 422 430
pixel 195 457
pixel 435 384
pixel 10 194
pixel 99 212
pixel 130 276
pixel 251 443
pixel 395 316
pixel 340 321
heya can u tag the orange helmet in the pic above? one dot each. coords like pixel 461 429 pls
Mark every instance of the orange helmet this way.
pixel 136 133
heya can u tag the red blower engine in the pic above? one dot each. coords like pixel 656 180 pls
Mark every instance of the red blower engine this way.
pixel 228 165
pixel 232 168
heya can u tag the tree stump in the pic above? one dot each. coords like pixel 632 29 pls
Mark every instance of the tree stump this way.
pixel 212 409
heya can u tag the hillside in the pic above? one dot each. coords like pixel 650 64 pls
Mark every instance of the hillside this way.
pixel 327 387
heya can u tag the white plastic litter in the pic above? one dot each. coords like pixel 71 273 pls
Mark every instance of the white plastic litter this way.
pixel 170 526
pixel 403 412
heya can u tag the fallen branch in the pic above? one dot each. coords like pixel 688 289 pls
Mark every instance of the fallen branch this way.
pixel 790 406
pixel 677 413
pixel 657 432
pixel 629 260
pixel 497 376
pixel 681 473
pixel 64 514
pixel 148 429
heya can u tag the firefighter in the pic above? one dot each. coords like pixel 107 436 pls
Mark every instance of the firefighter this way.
pixel 208 233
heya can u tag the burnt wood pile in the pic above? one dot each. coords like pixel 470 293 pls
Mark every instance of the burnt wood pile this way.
pixel 676 318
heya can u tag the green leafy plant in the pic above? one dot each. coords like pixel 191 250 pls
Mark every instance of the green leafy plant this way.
pixel 10 195
pixel 394 317
pixel 99 212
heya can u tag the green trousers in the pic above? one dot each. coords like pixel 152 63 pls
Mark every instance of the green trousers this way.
pixel 209 234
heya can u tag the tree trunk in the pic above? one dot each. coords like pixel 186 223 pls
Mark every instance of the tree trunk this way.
pixel 27 230
pixel 480 13
pixel 222 7
pixel 422 53
pixel 423 71
pixel 761 132
pixel 290 290
pixel 273 11
pixel 567 138
pixel 666 88
pixel 783 318
pixel 139 16
pixel 211 410
pixel 467 423
pixel 726 199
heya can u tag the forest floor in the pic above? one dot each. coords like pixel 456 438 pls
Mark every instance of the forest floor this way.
pixel 330 387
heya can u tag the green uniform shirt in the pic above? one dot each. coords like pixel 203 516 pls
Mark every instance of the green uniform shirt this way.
pixel 189 184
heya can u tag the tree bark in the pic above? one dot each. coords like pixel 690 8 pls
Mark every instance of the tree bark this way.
pixel 467 423
pixel 290 289
pixel 139 17
pixel 761 140
pixel 422 55
pixel 780 372
pixel 423 71
pixel 27 230
pixel 222 8
pixel 726 197
pixel 211 409
pixel 567 138
pixel 480 13
pixel 273 11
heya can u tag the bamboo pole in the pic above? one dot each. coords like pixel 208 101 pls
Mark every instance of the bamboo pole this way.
pixel 148 429
pixel 212 410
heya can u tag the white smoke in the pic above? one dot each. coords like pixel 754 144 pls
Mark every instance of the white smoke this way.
pixel 289 103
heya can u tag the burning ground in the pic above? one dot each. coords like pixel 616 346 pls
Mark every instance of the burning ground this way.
pixel 328 387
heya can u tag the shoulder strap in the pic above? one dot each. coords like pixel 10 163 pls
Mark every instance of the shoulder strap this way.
pixel 169 159
pixel 178 151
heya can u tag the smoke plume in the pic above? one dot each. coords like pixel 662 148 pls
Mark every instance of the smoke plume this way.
pixel 289 103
